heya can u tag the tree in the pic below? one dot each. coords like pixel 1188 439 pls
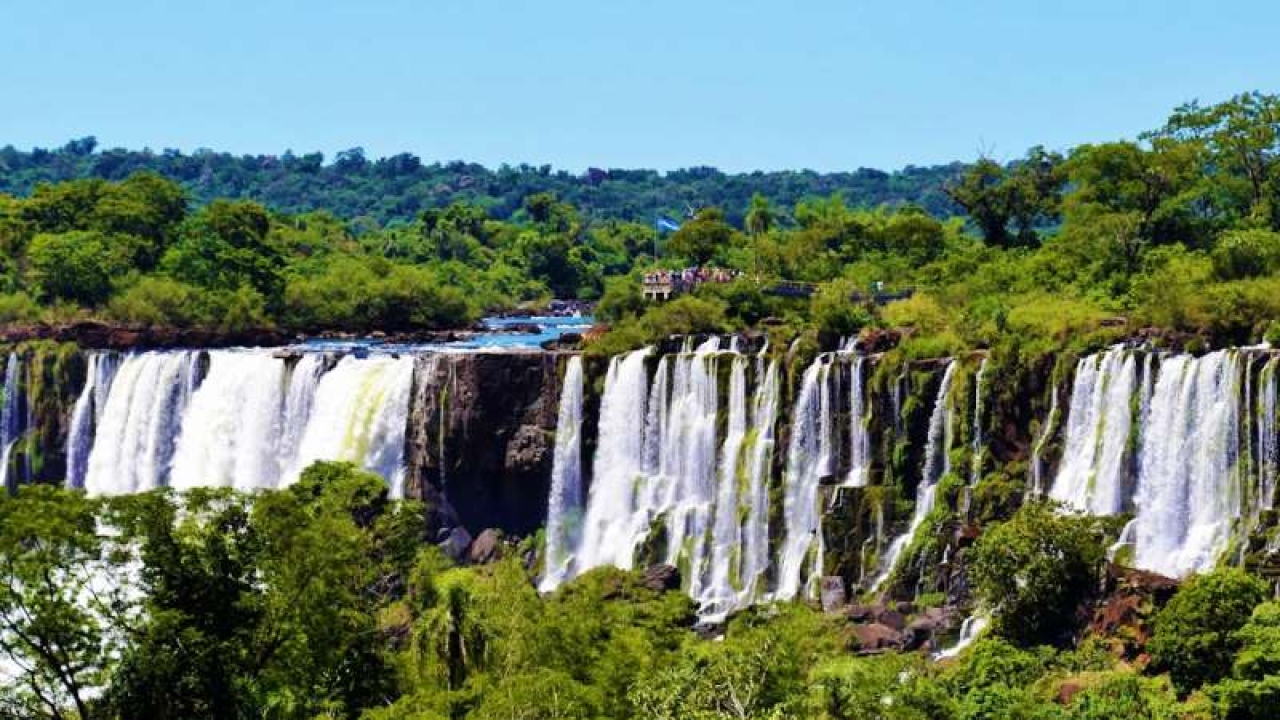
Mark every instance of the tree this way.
pixel 1194 636
pixel 79 266
pixel 1242 139
pixel 1034 570
pixel 60 608
pixel 1008 204
pixel 699 239
pixel 760 216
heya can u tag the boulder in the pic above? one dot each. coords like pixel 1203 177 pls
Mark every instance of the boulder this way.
pixel 860 613
pixel 875 638
pixel 892 618
pixel 920 633
pixel 455 542
pixel 832 593
pixel 486 548
pixel 661 578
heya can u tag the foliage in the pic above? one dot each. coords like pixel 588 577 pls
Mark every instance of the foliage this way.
pixel 1194 636
pixel 1033 571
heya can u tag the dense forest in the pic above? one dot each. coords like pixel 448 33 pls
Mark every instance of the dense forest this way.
pixel 324 599
pixel 396 189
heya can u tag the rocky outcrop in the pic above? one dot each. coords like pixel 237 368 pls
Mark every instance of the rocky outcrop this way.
pixel 481 438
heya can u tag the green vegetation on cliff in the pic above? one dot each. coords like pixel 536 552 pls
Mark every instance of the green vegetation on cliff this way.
pixel 324 600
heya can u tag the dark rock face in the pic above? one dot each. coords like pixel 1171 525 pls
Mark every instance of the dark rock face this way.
pixel 481 438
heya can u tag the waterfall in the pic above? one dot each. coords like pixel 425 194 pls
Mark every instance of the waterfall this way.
pixel 1267 455
pixel 87 414
pixel 134 440
pixel 687 461
pixel 564 507
pixel 231 430
pixel 970 629
pixel 1094 464
pixel 1187 495
pixel 299 399
pixel 1037 451
pixel 859 437
pixel 360 414
pixel 937 464
pixel 978 448
pixel 12 417
pixel 755 529
pixel 726 531
pixel 153 419
pixel 613 524
pixel 809 460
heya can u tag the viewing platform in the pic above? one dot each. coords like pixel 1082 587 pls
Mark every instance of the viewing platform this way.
pixel 663 285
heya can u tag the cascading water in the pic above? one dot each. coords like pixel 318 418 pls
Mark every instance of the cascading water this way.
pixel 1037 451
pixel 978 447
pixel 1268 442
pixel 614 524
pixel 859 437
pixel 231 430
pixel 564 507
pixel 13 417
pixel 726 531
pixel 153 419
pixel 809 459
pixel 755 529
pixel 1095 461
pixel 1188 492
pixel 360 415
pixel 937 464
pixel 135 437
pixel 87 414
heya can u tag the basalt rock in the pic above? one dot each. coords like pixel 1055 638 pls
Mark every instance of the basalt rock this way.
pixel 481 438
pixel 661 578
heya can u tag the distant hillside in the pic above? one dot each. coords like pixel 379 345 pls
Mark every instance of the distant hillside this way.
pixel 400 187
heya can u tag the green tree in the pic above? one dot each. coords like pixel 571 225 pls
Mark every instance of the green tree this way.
pixel 698 240
pixel 1194 636
pixel 61 608
pixel 79 266
pixel 1034 570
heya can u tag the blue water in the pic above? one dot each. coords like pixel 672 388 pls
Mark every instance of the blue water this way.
pixel 496 338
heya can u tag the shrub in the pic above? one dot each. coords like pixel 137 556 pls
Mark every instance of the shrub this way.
pixel 1034 570
pixel 1194 636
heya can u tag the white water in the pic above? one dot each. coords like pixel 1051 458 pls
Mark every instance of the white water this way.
pixel 1188 492
pixel 564 507
pixel 937 464
pixel 231 429
pixel 148 420
pixel 134 440
pixel 614 523
pixel 1205 445
pixel 809 459
pixel 978 446
pixel 859 437
pixel 970 629
pixel 360 415
pixel 1094 462
pixel 11 415
pixel 726 534
pixel 1268 447
pixel 87 414
pixel 755 528
pixel 1037 452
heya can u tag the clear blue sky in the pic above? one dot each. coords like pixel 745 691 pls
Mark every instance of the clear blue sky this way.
pixel 739 84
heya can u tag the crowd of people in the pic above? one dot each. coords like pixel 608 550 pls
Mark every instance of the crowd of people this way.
pixel 691 277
